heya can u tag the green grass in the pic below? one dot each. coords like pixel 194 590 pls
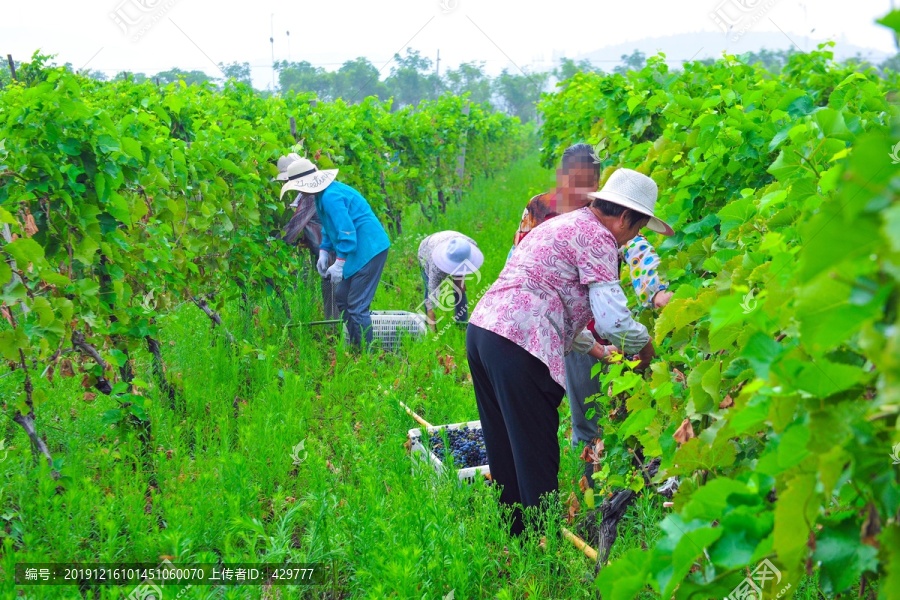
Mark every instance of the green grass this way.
pixel 226 488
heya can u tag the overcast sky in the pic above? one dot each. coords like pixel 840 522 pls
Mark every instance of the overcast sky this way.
pixel 155 35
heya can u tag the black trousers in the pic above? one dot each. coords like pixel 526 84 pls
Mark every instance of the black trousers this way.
pixel 517 402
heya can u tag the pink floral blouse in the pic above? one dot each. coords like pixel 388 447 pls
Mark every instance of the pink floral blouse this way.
pixel 540 301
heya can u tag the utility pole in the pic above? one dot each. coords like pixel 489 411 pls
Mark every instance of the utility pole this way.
pixel 805 28
pixel 896 35
pixel 272 41
pixel 438 64
pixel 289 45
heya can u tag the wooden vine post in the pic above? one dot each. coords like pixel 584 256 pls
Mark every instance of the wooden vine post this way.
pixel 25 420
pixel 461 159
pixel 213 316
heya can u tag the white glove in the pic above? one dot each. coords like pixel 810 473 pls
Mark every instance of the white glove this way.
pixel 336 271
pixel 322 263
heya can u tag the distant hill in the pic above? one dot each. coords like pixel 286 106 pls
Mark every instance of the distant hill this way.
pixel 685 46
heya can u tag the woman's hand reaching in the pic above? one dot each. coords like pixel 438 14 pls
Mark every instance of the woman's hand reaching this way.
pixel 662 298
pixel 603 353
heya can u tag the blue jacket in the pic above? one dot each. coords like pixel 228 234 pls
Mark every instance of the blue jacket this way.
pixel 349 227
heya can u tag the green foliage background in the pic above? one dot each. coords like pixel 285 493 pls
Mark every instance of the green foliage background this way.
pixel 781 345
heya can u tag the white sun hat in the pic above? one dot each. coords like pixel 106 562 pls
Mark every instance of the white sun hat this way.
pixel 303 176
pixel 283 163
pixel 457 256
pixel 635 191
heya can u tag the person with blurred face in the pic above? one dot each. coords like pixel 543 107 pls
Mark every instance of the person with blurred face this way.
pixel 577 177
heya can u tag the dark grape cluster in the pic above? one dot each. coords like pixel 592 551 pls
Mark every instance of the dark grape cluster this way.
pixel 466 446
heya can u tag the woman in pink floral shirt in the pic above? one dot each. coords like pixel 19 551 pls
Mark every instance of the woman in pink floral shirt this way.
pixel 561 275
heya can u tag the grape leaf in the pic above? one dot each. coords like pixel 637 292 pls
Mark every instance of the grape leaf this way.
pixel 761 351
pixel 709 501
pixel 11 341
pixel 795 512
pixel 624 578
pixel 24 251
pixel 842 556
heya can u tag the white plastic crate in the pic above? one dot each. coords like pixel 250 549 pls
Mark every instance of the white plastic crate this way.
pixel 389 325
pixel 419 450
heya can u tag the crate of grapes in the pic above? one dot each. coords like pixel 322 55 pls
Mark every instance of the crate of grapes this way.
pixel 466 448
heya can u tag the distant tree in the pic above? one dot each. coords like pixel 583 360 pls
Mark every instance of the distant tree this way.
pixel 469 77
pixel 568 68
pixel 892 63
pixel 859 63
pixel 773 60
pixel 357 79
pixel 631 62
pixel 135 77
pixel 240 72
pixel 518 94
pixel 190 77
pixel 302 77
pixel 96 75
pixel 412 80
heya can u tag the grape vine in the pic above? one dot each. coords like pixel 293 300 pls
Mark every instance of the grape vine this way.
pixel 775 398
pixel 120 202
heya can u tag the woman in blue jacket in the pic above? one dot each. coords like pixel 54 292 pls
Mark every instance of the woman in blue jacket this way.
pixel 351 231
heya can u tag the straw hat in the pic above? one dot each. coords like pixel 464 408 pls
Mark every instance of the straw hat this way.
pixel 283 163
pixel 457 256
pixel 635 191
pixel 303 176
